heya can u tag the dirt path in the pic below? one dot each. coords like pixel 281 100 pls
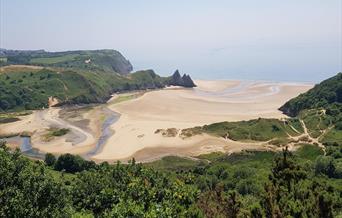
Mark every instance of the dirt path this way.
pixel 308 137
pixel 65 87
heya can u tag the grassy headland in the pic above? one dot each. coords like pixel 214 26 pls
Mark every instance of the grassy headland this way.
pixel 71 77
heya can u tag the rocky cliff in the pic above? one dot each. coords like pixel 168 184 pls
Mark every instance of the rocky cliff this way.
pixel 177 80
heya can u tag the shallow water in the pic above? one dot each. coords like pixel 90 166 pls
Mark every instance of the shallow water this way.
pixel 25 144
pixel 241 92
pixel 27 150
pixel 106 131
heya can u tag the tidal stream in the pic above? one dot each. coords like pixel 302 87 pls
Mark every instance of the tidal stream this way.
pixel 27 149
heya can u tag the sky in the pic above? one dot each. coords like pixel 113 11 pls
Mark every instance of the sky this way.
pixel 209 39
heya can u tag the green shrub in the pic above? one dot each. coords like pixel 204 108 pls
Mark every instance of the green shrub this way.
pixel 50 159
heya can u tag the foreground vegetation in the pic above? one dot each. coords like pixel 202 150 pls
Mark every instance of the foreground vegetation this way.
pixel 249 184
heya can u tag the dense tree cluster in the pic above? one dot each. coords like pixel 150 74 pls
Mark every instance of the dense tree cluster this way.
pixel 34 189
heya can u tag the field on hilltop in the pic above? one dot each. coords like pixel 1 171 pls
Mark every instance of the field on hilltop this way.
pixel 102 60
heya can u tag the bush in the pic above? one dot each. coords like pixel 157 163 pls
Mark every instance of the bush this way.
pixel 60 132
pixel 325 165
pixel 73 163
pixel 3 144
pixel 4 104
pixel 338 125
pixel 338 169
pixel 243 173
pixel 247 186
pixel 50 159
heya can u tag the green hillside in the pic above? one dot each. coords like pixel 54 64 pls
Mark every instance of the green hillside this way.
pixel 321 110
pixel 321 96
pixel 26 88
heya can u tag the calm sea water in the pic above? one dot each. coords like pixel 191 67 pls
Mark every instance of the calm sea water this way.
pixel 302 63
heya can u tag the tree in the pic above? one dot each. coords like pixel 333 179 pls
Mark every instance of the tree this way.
pixel 70 163
pixel 233 205
pixel 325 165
pixel 4 104
pixel 339 93
pixel 73 163
pixel 256 211
pixel 290 192
pixel 50 159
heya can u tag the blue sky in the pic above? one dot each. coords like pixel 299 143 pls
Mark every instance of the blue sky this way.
pixel 213 39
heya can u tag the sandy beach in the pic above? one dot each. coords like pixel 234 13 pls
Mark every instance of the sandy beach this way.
pixel 134 134
pixel 211 101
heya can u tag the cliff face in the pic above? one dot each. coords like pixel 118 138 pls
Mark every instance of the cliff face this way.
pixel 111 60
pixel 177 80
